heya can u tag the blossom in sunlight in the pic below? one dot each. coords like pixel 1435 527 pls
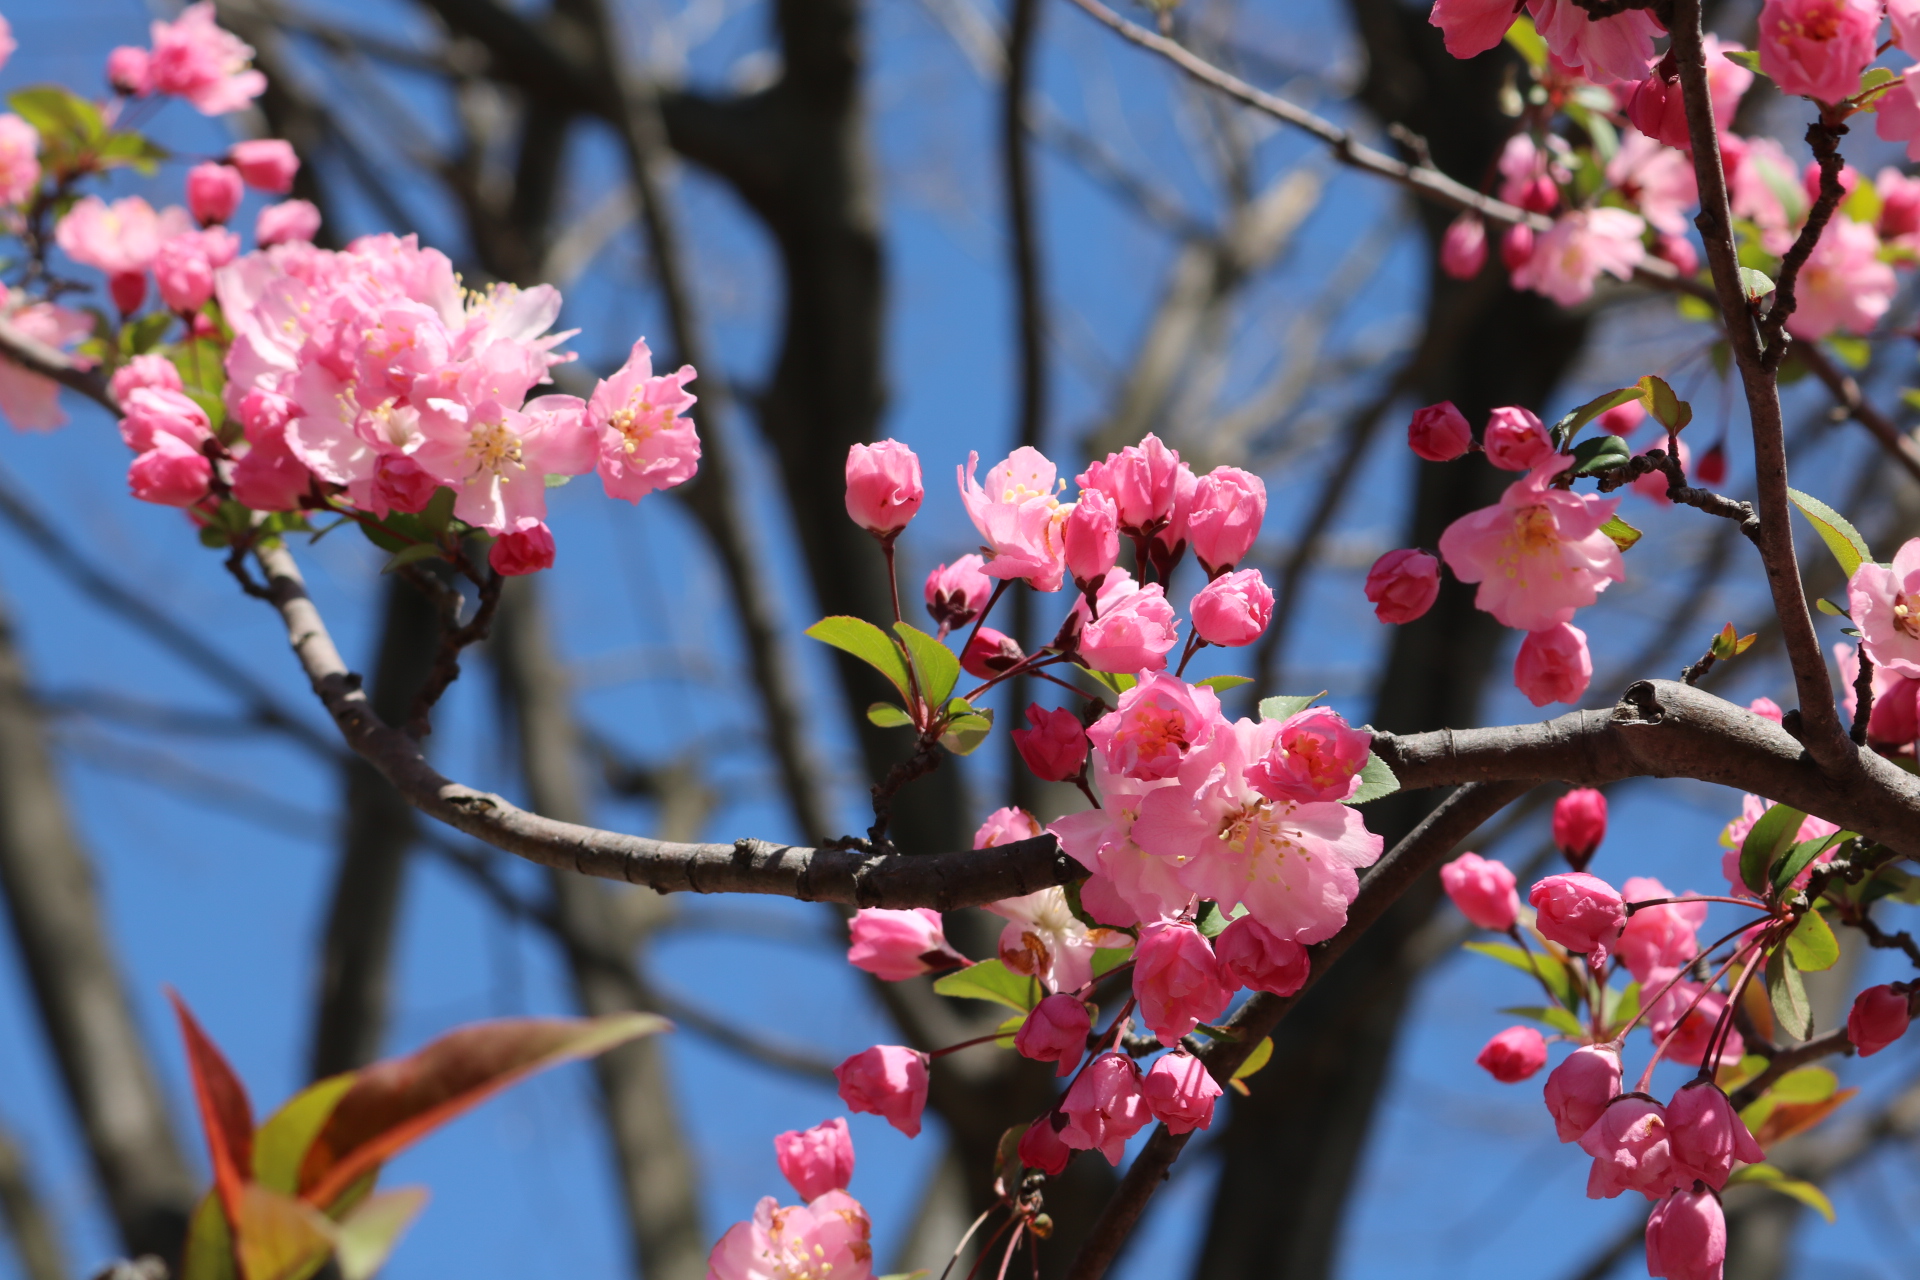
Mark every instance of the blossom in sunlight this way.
pixel 645 445
pixel 1470 27
pixel 1043 939
pixel 897 945
pixel 826 1239
pixel 1658 942
pixel 1179 1092
pixel 1578 247
pixel 1687 1237
pixel 117 238
pixel 1655 179
pixel 19 159
pixel 1177 980
pixel 1105 1107
pixel 1538 554
pixel 1019 516
pixel 1604 50
pixel 1880 1016
pixel 883 486
pixel 1579 1089
pixel 1233 609
pixel 195 59
pixel 957 592
pixel 1402 585
pixel 1055 1031
pixel 1884 601
pixel 1252 956
pixel 1582 913
pixel 29 401
pixel 1483 890
pixel 1707 1138
pixel 1818 48
pixel 1224 517
pixel 526 549
pixel 1513 1055
pixel 887 1081
pixel 1135 629
pixel 1844 284
pixel 816 1161
pixel 1553 665
pixel 1630 1150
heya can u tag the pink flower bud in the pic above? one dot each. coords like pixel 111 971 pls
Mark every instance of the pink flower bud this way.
pixel 1463 249
pixel 1439 432
pixel 1579 825
pixel 1515 440
pixel 1177 979
pixel 1629 1147
pixel 1553 665
pixel 1402 585
pixel 1104 1107
pixel 1135 628
pixel 400 484
pixel 957 592
pixel 1657 110
pixel 156 411
pixel 816 1160
pixel 1315 757
pixel 1056 1031
pixel 1091 538
pixel 1180 1093
pixel 1579 1089
pixel 129 290
pixel 1687 1237
pixel 1622 419
pixel 289 222
pixel 1705 1137
pixel 888 1081
pixel 1042 1149
pixel 268 477
pixel 266 164
pixel 883 486
pixel 522 551
pixel 1233 609
pixel 1542 195
pixel 1899 204
pixel 1006 826
pixel 1767 709
pixel 1055 747
pixel 1483 890
pixel 1679 251
pixel 1879 1017
pixel 990 653
pixel 897 945
pixel 172 473
pixel 1514 1054
pixel 1144 481
pixel 213 192
pixel 155 371
pixel 184 273
pixel 1810 179
pixel 1582 913
pixel 1712 467
pixel 1254 957
pixel 127 72
pixel 1516 247
pixel 1225 516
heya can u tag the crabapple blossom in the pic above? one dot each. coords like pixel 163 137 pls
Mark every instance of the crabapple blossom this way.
pixel 129 71
pixel 1679 251
pixel 1553 665
pixel 1762 183
pixel 1515 440
pixel 143 371
pixel 1402 585
pixel 1135 628
pixel 128 290
pixel 265 164
pixel 897 945
pixel 195 59
pixel 172 473
pixel 269 478
pixel 1604 49
pixel 828 1237
pixel 213 192
pixel 497 459
pixel 1622 419
pixel 1657 108
pixel 19 159
pixel 1144 481
pixel 1470 27
pixel 1055 1031
pixel 1177 980
pixel 1055 746
pixel 1233 609
pixel 1768 709
pixel 645 445
pixel 116 238
pixel 1104 1107
pixel 1019 516
pixel 990 653
pixel 1180 1092
pixel 1685 1019
pixel 526 549
pixel 1844 284
pixel 400 485
pixel 1538 554
pixel 1579 1089
pixel 1818 48
pixel 1483 890
pixel 883 487
pixel 817 1160
pixel 1043 939
pixel 1687 1237
pixel 1630 1149
pixel 1514 1054
pixel 151 412
pixel 29 401
pixel 1579 825
pixel 1439 432
pixel 1899 204
pixel 1224 517
pixel 1897 112
pixel 1878 1018
pixel 184 273
pixel 957 592
pixel 1314 756
pixel 1582 913
pixel 1090 539
pixel 1463 249
pixel 1129 883
pixel 1655 179
pixel 1005 826
pixel 1884 601
pixel 289 222
pixel 1658 942
pixel 1041 1147
pixel 886 1081
pixel 1706 1137
pixel 7 43
pixel 1251 956
pixel 1157 721
pixel 1572 253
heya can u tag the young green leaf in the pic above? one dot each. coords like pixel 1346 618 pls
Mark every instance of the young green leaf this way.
pixel 1220 684
pixel 209 1248
pixel 1854 353
pixel 1812 945
pixel 1212 921
pixel 1805 1084
pixel 1748 58
pixel 1831 609
pixel 1774 1180
pixel 1376 780
pixel 1602 453
pixel 866 642
pixel 1107 959
pixel 1261 1055
pixel 281 1145
pixel 412 555
pixel 1548 970
pixel 1755 284
pixel 1795 860
pixel 965 734
pixel 278 1237
pixel 991 980
pixel 1788 996
pixel 933 662
pixel 1286 706
pixel 1668 409
pixel 1569 427
pixel 1842 539
pixel 1551 1015
pixel 885 715
pixel 1771 833
pixel 365 1237
pixel 1623 534
pixel 1621 1007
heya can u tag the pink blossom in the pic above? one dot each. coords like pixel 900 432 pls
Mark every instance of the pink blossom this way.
pixel 1679 251
pixel 1687 1237
pixel 1818 48
pixel 1579 1089
pixel 1844 284
pixel 1580 824
pixel 1607 50
pixel 150 370
pixel 1705 1137
pixel 1233 609
pixel 1899 204
pixel 1483 890
pixel 990 653
pixel 1885 603
pixel 1515 440
pixel 29 401
pixel 7 43
pixel 1156 723
pixel 1129 883
pixel 1314 757
pixel 120 237
pixel 19 159
pixel 829 1237
pixel 1768 709
pixel 1439 432
pixel 1225 516
pixel 1906 23
pixel 1180 1092
pixel 1656 179
pixel 1538 554
pixel 1105 1107
pixel 265 164
pixel 184 274
pixel 1252 957
pixel 883 487
pixel 1553 665
pixel 1580 245
pixel 1582 913
pixel 1735 832
pixel 1043 939
pixel 1653 484
pixel 268 477
pixel 528 549
pixel 1727 80
pixel 1687 1027
pixel 1630 1150
pixel 957 592
pixel 1177 980
pixel 172 473
pixel 128 290
pixel 1006 826
pixel 1055 1031
pixel 1658 941
pixel 497 459
pixel 886 1081
pixel 194 59
pixel 1019 516
pixel 1402 585
pixel 645 444
pixel 1471 27
pixel 156 411
pixel 1090 538
pixel 1293 865
pixel 1463 249
pixel 1144 482
pixel 897 945
pixel 817 1160
pixel 1880 1016
pixel 129 71
pixel 1055 746
pixel 213 192
pixel 1513 1055
pixel 1622 419
pixel 400 485
pixel 1135 628
pixel 1041 1147
pixel 289 222
pixel 1763 183
pixel 1657 108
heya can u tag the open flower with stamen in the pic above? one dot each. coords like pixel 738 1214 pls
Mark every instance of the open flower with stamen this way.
pixel 1043 939
pixel 1885 603
pixel 644 443
pixel 1538 554
pixel 1020 517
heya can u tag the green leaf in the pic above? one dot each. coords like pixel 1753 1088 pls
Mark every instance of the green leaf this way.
pixel 1376 780
pixel 1115 681
pixel 1812 945
pixel 1621 1007
pixel 67 123
pixel 1107 959
pixel 284 1137
pixel 1569 427
pixel 1755 284
pixel 130 150
pixel 1806 1084
pixel 1796 859
pixel 1261 1055
pixel 1623 534
pixel 1774 1180
pixel 438 515
pixel 887 716
pixel 1772 832
pixel 1696 309
pixel 866 642
pixel 965 734
pixel 1602 453
pixel 209 1249
pixel 1831 609
pixel 137 337
pixel 991 980
pixel 412 555
pixel 1550 1014
pixel 363 1239
pixel 1527 43
pixel 1547 969
pixel 1212 921
pixel 1286 706
pixel 1855 353
pixel 1668 409
pixel 933 662
pixel 1220 684
pixel 1789 996
pixel 1842 539
pixel 1748 58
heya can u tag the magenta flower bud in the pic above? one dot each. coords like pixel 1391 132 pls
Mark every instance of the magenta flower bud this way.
pixel 171 474
pixel 1233 609
pixel 957 592
pixel 1439 432
pixel 1687 1237
pixel 990 653
pixel 1314 757
pixel 1516 246
pixel 289 222
pixel 1402 585
pixel 1899 204
pixel 883 487
pixel 402 484
pixel 1253 956
pixel 1622 419
pixel 1712 467
pixel 1542 195
pixel 184 273
pixel 1144 482
pixel 1177 980
pixel 1629 1147
pixel 1656 109
pixel 1224 517
pixel 1056 1031
pixel 1679 251
pixel 1042 1149
pixel 1104 1107
pixel 1091 538
pixel 128 289
pixel 152 412
pixel 266 164
pixel 1582 913
pixel 1553 665
pixel 147 371
pixel 213 192
pixel 1579 825
pixel 1483 890
pixel 887 1081
pixel 1514 1054
pixel 1055 747
pixel 1705 1137
pixel 897 945
pixel 1879 1017
pixel 1180 1093
pixel 127 72
pixel 1515 440
pixel 522 551
pixel 1658 941
pixel 1579 1089
pixel 1463 249
pixel 816 1160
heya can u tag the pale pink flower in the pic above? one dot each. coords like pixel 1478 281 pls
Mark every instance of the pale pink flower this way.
pixel 265 164
pixel 1513 1055
pixel 7 43
pixel 1691 1025
pixel 1553 665
pixel 1225 516
pixel 1314 757
pixel 184 273
pixel 1104 1107
pixel 1538 554
pixel 1727 80
pixel 1044 940
pixel 150 412
pixel 1006 826
pixel 1129 884
pixel 644 443
pixel 887 1081
pixel 1609 50
pixel 1897 112
pixel 1177 980
pixel 1844 284
pixel 19 159
pixel 1880 1016
pixel 897 945
pixel 1402 585
pixel 827 1238
pixel 1019 515
pixel 1658 942
pixel 1055 746
pixel 1582 913
pixel 1653 485
pixel 1251 956
pixel 1655 179
pixel 527 549
pixel 1580 824
pixel 213 192
pixel 195 59
pixel 1233 609
pixel 883 486
pixel 1885 603
pixel 1515 440
pixel 150 370
pixel 1134 631
pixel 1705 1137
pixel 1687 1237
pixel 1144 481
pixel 497 459
pixel 1580 245
pixel 1463 249
pixel 289 222
pixel 1439 432
pixel 1906 23
pixel 1630 1150
pixel 116 238
pixel 29 401
pixel 817 1160
pixel 1471 27
pixel 1155 724
pixel 957 592
pixel 1180 1092
pixel 172 473
pixel 1763 183
pixel 1818 48
pixel 1483 890
pixel 1055 1031
pixel 1579 1089
pixel 129 71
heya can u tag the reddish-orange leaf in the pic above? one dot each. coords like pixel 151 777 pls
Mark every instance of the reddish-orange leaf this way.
pixel 225 1113
pixel 1789 1118
pixel 395 1103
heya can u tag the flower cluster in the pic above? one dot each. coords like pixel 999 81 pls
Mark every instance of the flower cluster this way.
pixel 827 1235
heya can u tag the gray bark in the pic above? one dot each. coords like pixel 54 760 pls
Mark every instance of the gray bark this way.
pixel 35 1238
